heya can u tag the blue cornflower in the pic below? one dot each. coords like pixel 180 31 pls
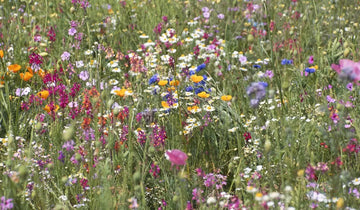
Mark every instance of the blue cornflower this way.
pixel 256 66
pixel 310 70
pixel 286 62
pixel 191 72
pixel 189 89
pixel 199 90
pixel 153 79
pixel 200 67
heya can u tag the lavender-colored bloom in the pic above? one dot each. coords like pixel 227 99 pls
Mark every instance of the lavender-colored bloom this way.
pixel 256 91
pixel 242 59
pixel 206 15
pixel 69 145
pixel 221 16
pixel 65 56
pixel 205 9
pixel 79 64
pixel 269 74
pixel 349 86
pixel 22 91
pixel 84 75
pixel 72 31
pixel 329 99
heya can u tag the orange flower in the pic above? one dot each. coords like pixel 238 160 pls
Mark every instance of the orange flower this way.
pixel 48 109
pixel 28 75
pixel 203 94
pixel 41 73
pixel 196 79
pixel 162 82
pixel 14 68
pixel 1 53
pixel 226 97
pixel 121 92
pixel 43 94
pixel 174 83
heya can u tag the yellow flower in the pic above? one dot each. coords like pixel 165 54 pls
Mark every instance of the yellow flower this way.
pixel 203 94
pixel 162 82
pixel 226 97
pixel 196 79
pixel 43 94
pixel 14 68
pixel 340 203
pixel 121 92
pixel 165 104
pixel 1 53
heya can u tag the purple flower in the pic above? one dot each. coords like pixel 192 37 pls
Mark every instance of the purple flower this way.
pixel 256 91
pixel 72 31
pixel 69 145
pixel 206 15
pixel 242 59
pixel 84 75
pixel 221 16
pixel 176 157
pixel 349 86
pixel 329 99
pixel 6 203
pixel 269 74
pixel 61 156
pixel 65 56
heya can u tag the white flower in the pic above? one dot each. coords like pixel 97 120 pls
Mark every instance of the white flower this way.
pixel 356 181
pixel 211 200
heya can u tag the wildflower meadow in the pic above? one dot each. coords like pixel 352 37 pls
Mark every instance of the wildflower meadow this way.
pixel 179 104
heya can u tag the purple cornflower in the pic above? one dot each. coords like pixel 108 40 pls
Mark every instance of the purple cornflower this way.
pixel 6 203
pixel 69 145
pixel 256 91
pixel 65 56
pixel 84 75
pixel 138 117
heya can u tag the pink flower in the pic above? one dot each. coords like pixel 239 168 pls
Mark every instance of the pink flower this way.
pixel 176 157
pixel 347 70
pixel 311 60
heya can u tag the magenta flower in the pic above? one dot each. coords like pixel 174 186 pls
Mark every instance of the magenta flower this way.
pixel 311 60
pixel 176 157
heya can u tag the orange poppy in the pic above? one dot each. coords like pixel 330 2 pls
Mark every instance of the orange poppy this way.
pixel 48 109
pixel 196 78
pixel 162 82
pixel 28 75
pixel 43 94
pixel 14 68
pixel 1 53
